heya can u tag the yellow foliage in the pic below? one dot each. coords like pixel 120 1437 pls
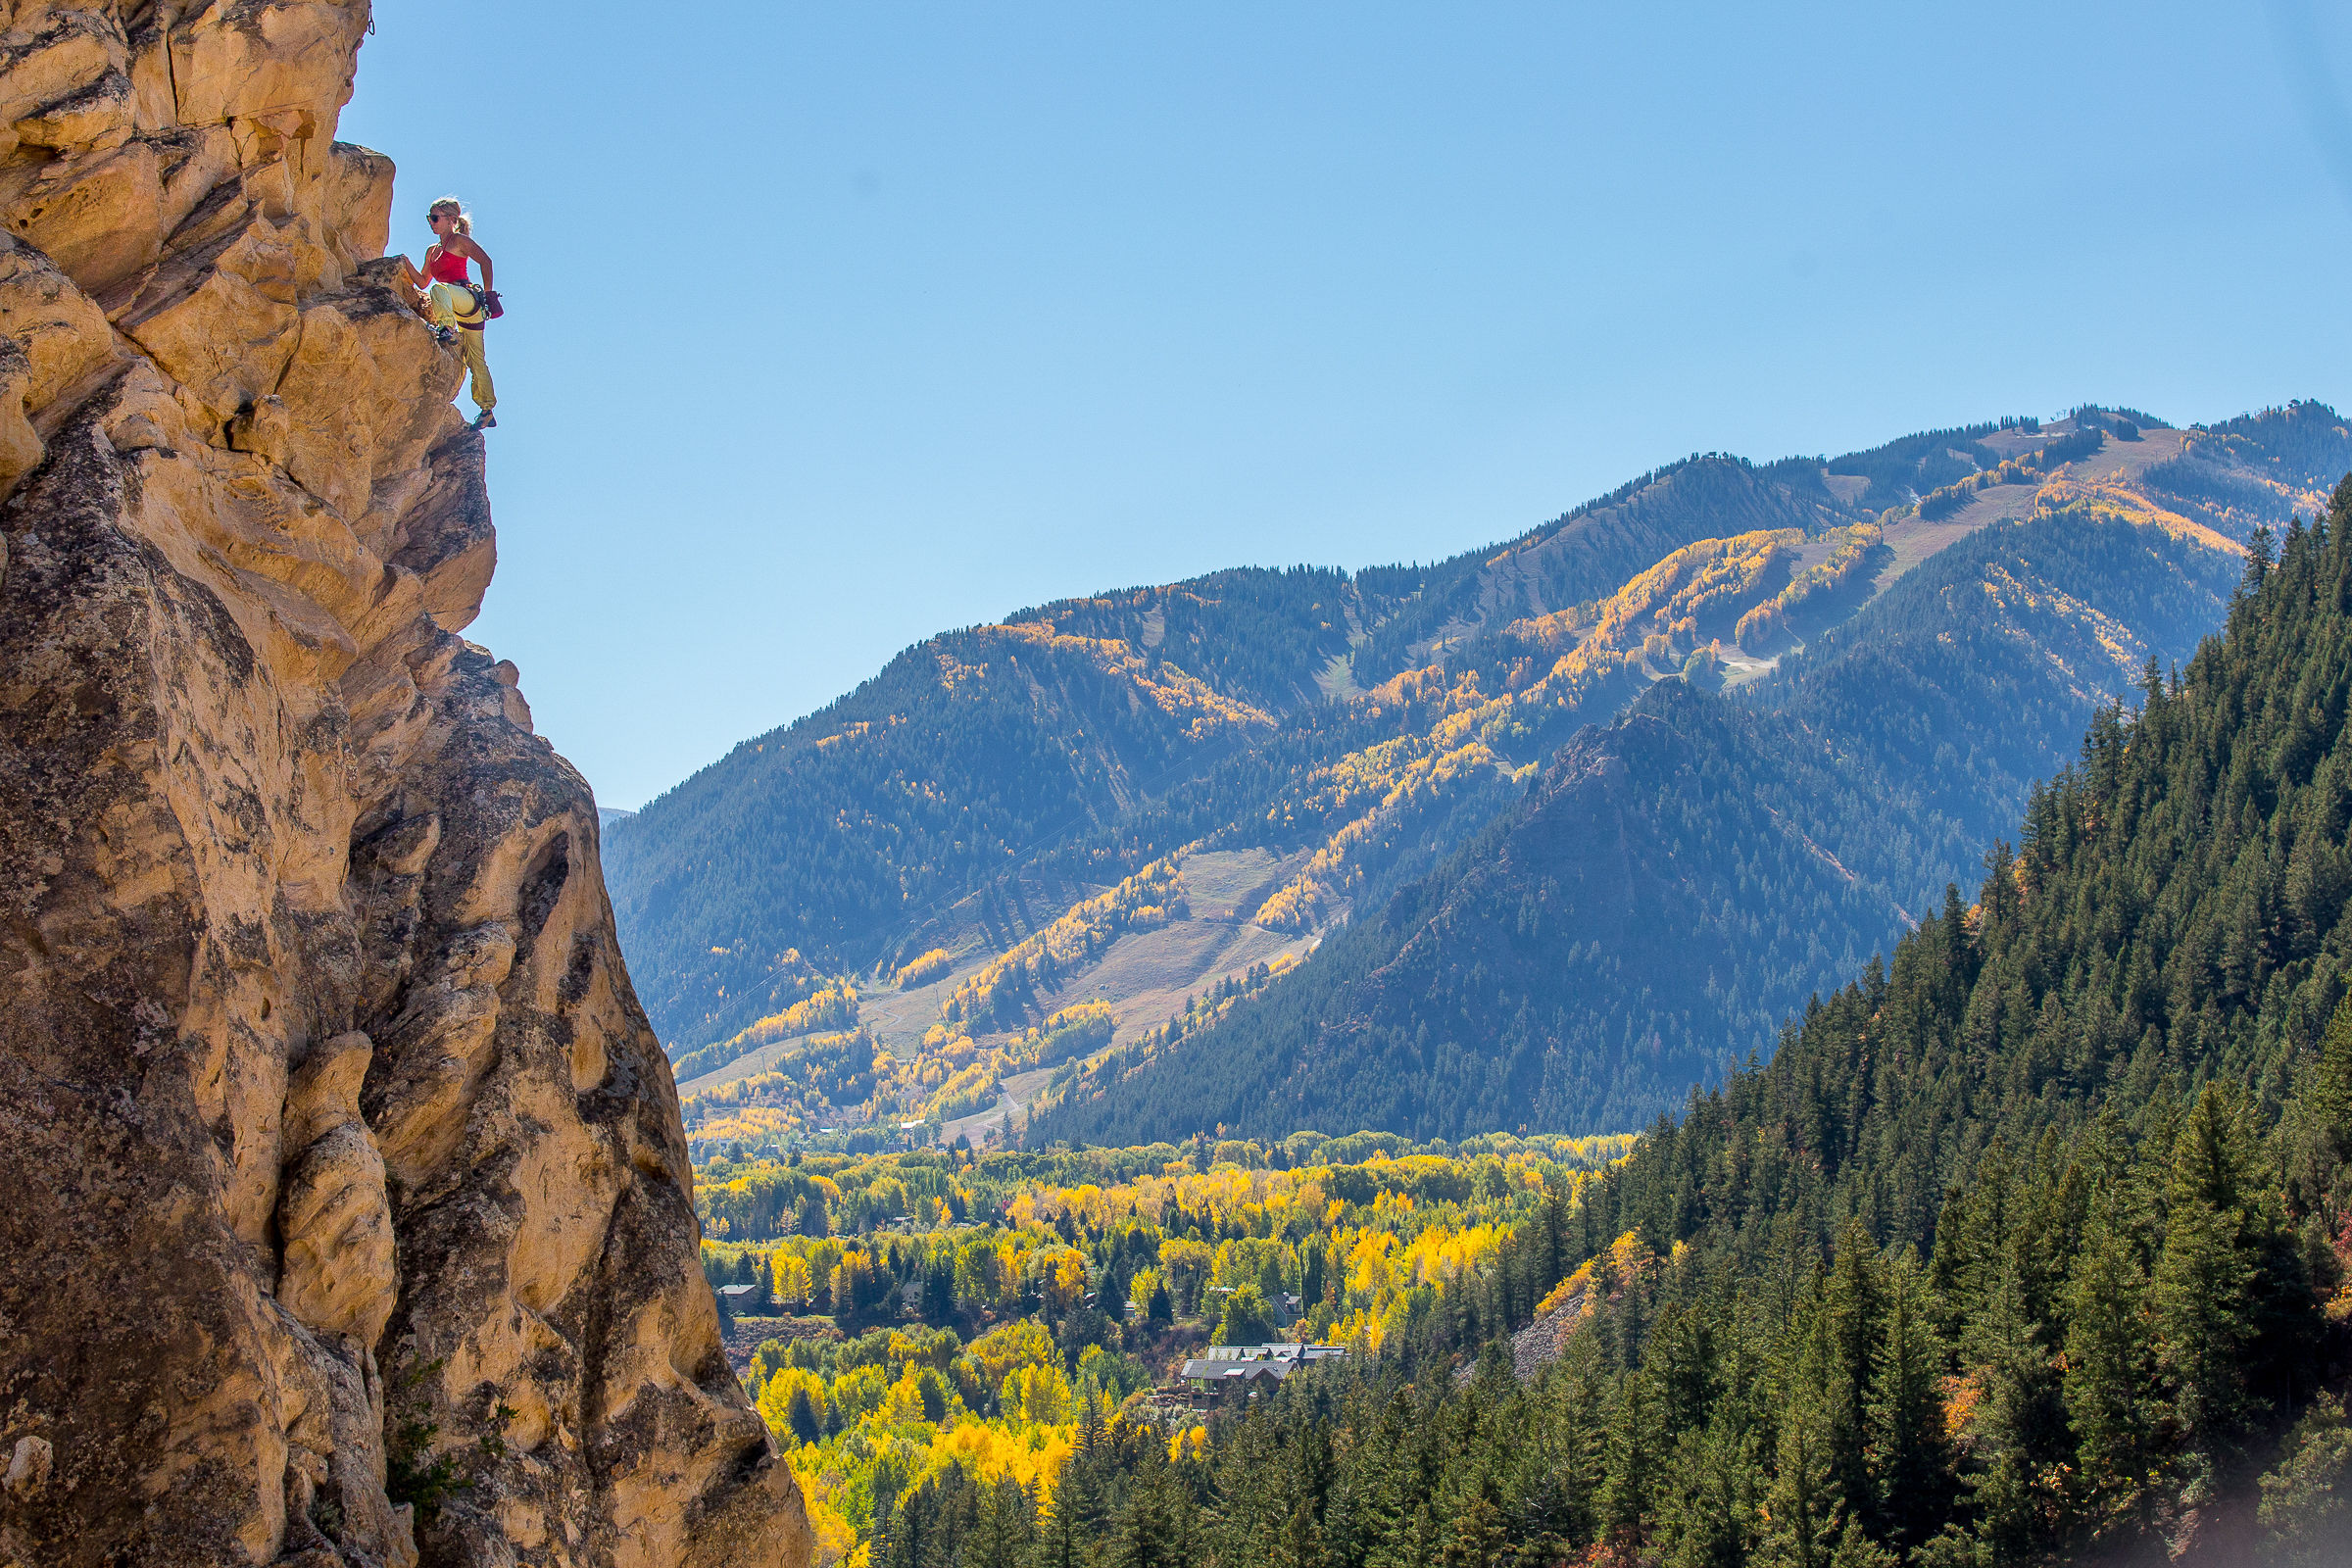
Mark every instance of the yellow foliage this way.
pixel 2117 498
pixel 1364 1330
pixel 1162 684
pixel 905 1402
pixel 833 1540
pixel 834 1008
pixel 775 1400
pixel 1376 790
pixel 1763 626
pixel 1038 1395
pixel 1369 1273
pixel 1080 1013
pixel 970 1089
pixel 2002 587
pixel 858 1391
pixel 1415 1221
pixel 921 970
pixel 1438 1253
pixel 1015 1344
pixel 1061 1279
pixel 993 1452
pixel 790 1272
pixel 1186 1265
pixel 752 1124
pixel 1147 1279
pixel 1575 1285
pixel 1629 1260
pixel 1961 1397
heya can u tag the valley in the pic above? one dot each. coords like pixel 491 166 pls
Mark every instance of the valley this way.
pixel 2031 1243
pixel 1796 1013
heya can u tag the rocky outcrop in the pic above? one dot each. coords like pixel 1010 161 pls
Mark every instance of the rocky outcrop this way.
pixel 344 1212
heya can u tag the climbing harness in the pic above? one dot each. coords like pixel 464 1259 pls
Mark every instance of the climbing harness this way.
pixel 465 305
pixel 449 270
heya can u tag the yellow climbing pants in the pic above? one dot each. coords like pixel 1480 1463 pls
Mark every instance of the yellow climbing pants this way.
pixel 455 308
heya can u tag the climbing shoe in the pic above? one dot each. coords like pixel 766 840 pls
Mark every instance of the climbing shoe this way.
pixel 446 336
pixel 485 420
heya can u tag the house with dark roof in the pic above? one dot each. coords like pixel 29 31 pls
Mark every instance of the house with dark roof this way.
pixel 1228 1372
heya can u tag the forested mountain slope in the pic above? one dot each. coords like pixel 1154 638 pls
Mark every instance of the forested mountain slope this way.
pixel 963 754
pixel 1158 798
pixel 2106 1104
pixel 1677 883
pixel 2029 1246
pixel 1072 743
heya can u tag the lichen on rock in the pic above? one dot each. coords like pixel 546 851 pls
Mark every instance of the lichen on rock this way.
pixel 347 1215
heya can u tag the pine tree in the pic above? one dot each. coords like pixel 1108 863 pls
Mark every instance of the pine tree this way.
pixel 2199 1297
pixel 1850 1313
pixel 1909 1454
pixel 1718 1491
pixel 2109 1370
pixel 1803 1510
pixel 2332 1099
pixel 2204 1284
pixel 1856 1549
pixel 1296 1539
pixel 1636 1449
pixel 1006 1531
pixel 1370 1502
pixel 1152 1530
pixel 1578 1447
pixel 1478 1539
pixel 800 1413
pixel 2019 1423
pixel 2307 1498
pixel 1073 1522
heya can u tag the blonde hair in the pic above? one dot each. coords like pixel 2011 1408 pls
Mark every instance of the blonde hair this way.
pixel 449 204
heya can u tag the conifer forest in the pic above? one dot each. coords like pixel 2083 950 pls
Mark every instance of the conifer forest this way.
pixel 2030 1242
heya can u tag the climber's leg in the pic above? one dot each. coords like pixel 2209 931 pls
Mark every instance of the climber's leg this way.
pixel 441 305
pixel 477 366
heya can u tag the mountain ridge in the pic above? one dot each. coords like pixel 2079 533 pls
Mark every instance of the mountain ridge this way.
pixel 1852 819
pixel 1369 723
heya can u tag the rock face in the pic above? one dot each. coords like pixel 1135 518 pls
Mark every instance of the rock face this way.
pixel 344 1212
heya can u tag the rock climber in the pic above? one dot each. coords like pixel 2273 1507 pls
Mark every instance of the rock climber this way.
pixel 448 298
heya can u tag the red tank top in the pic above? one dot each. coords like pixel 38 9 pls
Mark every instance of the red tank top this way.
pixel 447 267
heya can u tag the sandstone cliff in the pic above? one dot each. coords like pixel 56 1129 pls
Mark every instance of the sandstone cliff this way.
pixel 344 1210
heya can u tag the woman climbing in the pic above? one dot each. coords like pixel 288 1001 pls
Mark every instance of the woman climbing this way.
pixel 450 301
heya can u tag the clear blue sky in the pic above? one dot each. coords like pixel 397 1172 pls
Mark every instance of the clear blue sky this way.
pixel 834 327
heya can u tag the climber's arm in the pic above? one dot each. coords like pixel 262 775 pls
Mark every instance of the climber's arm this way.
pixel 416 282
pixel 467 247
